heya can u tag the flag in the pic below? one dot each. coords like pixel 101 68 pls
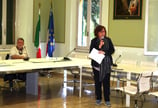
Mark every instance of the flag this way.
pixel 37 43
pixel 51 40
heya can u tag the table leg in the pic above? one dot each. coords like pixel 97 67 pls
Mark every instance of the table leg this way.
pixel 118 80
pixel 64 94
pixel 65 78
pixel 32 83
pixel 80 91
pixel 128 96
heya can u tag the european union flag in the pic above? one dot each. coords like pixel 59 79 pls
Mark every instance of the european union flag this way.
pixel 51 39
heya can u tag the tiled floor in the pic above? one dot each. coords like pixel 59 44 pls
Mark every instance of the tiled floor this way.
pixel 52 94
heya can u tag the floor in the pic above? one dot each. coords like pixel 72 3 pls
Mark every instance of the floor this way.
pixel 53 94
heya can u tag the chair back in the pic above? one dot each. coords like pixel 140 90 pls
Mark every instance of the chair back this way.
pixel 144 82
pixel 7 57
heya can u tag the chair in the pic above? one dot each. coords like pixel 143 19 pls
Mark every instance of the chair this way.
pixel 154 94
pixel 142 87
pixel 76 73
pixel 116 75
pixel 88 71
pixel 119 77
pixel 154 81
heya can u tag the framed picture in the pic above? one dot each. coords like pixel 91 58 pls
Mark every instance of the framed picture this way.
pixel 127 9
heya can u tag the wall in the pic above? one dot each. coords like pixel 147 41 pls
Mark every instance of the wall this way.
pixel 133 55
pixel 105 14
pixel 126 32
pixel 58 7
pixel 24 27
pixel 118 30
pixel 70 29
pixel 24 24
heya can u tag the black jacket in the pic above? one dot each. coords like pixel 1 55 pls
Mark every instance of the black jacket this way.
pixel 108 52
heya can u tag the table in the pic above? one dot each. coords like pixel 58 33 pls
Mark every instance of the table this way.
pixel 136 69
pixel 33 66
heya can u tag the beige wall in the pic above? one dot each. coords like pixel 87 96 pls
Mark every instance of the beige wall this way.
pixel 127 32
pixel 24 27
pixel 24 24
pixel 105 14
pixel 58 7
pixel 70 29
pixel 116 32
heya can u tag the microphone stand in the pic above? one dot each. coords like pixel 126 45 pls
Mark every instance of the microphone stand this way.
pixel 115 64
pixel 26 58
pixel 66 58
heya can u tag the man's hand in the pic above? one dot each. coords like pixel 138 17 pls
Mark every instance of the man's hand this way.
pixel 17 57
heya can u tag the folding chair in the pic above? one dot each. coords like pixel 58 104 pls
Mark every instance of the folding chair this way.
pixel 76 73
pixel 154 94
pixel 142 87
pixel 89 72
pixel 154 81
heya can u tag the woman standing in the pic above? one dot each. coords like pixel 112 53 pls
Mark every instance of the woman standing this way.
pixel 102 71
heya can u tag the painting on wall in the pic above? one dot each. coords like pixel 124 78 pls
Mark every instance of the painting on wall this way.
pixel 127 9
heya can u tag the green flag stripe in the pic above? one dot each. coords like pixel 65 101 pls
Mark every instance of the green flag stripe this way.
pixel 36 43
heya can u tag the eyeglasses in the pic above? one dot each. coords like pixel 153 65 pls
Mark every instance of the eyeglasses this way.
pixel 103 31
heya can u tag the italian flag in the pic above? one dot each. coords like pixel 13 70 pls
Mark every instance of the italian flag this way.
pixel 37 43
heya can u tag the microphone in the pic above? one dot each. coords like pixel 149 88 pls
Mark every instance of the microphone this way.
pixel 101 39
pixel 66 58
pixel 115 64
pixel 26 58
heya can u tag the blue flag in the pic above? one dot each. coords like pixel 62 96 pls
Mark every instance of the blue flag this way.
pixel 51 40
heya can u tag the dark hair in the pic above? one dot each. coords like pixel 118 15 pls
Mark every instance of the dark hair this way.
pixel 20 39
pixel 99 29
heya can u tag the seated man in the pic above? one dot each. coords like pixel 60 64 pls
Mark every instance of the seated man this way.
pixel 17 52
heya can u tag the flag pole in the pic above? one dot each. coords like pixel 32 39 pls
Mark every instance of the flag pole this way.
pixel 51 4
pixel 37 35
pixel 39 5
pixel 52 7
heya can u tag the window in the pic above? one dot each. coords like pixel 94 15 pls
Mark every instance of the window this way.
pixel 151 27
pixel 7 21
pixel 88 18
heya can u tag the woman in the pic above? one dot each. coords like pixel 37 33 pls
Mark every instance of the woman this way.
pixel 102 71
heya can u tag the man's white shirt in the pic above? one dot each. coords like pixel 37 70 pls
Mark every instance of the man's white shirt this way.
pixel 15 51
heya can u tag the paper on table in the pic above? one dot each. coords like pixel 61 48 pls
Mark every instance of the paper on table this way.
pixel 94 54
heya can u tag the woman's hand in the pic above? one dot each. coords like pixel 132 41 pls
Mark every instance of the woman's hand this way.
pixel 101 43
pixel 101 52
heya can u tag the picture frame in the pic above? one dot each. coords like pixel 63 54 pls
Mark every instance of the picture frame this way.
pixel 127 9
